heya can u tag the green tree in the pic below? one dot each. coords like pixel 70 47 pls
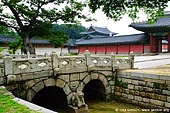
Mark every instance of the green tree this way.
pixel 58 39
pixel 13 46
pixel 73 31
pixel 24 15
pixel 116 8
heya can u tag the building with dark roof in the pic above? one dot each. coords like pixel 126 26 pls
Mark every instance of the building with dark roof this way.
pixel 102 40
pixel 159 33
pixel 5 39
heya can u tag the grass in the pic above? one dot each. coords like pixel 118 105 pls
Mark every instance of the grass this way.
pixel 7 105
pixel 114 107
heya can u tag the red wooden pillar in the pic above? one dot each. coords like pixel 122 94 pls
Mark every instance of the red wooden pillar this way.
pixel 168 42
pixel 151 43
pixel 160 44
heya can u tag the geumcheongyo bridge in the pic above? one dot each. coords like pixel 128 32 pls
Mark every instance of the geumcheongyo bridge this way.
pixel 68 80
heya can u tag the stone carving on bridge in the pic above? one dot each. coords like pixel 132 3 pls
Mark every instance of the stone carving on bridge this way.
pixel 42 64
pixel 77 99
pixel 22 66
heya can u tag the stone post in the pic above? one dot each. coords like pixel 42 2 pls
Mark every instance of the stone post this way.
pixel 8 65
pixel 113 61
pixel 131 58
pixel 54 59
pixel 88 59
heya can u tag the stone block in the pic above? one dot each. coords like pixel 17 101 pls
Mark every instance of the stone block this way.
pixel 28 76
pixel 108 90
pixel 142 94
pixel 164 77
pixel 101 77
pixel 137 92
pixel 145 100
pixel 94 75
pixel 49 82
pixel 135 82
pixel 30 83
pixel 157 102
pixel 155 96
pixel 148 95
pixel 118 94
pixel 138 98
pixel 166 92
pixel 67 90
pixel 37 87
pixel 105 82
pixel 162 97
pixel 74 77
pixel 83 75
pixel 148 89
pixel 124 95
pixel 152 76
pixel 60 83
pixel 112 89
pixel 142 104
pixel 138 88
pixel 158 91
pixel 134 74
pixel 64 77
pixel 135 102
pixel 149 84
pixel 130 86
pixel 30 95
pixel 2 80
pixel 142 83
pixel 168 98
pixel 81 86
pixel 167 104
pixel 126 80
pixel 117 89
pixel 126 91
pixel 130 97
pixel 112 82
pixel 132 92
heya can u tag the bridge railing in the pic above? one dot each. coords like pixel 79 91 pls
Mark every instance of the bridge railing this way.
pixel 60 65
pixel 25 65
pixel 88 62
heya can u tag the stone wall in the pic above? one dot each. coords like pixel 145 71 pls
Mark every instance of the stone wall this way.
pixel 147 90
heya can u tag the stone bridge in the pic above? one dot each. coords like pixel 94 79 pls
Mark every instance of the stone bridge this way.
pixel 53 79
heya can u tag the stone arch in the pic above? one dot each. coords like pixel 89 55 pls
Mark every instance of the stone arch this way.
pixel 39 85
pixel 101 77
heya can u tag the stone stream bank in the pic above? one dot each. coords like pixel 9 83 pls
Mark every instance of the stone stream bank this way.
pixel 147 90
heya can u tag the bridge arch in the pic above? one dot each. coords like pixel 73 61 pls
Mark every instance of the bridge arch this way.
pixel 100 82
pixel 49 85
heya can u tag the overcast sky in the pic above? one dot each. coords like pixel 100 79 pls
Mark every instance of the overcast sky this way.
pixel 120 27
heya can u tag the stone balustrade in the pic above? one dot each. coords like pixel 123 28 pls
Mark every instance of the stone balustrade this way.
pixel 13 66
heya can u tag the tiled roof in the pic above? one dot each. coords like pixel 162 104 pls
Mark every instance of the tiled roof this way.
pixel 5 39
pixel 161 25
pixel 112 40
pixel 102 30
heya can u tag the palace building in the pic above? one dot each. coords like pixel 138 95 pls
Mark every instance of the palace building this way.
pixel 155 39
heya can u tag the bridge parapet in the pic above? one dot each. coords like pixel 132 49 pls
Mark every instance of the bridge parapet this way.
pixel 31 68
pixel 18 66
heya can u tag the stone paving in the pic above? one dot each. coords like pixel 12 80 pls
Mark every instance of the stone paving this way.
pixel 159 70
